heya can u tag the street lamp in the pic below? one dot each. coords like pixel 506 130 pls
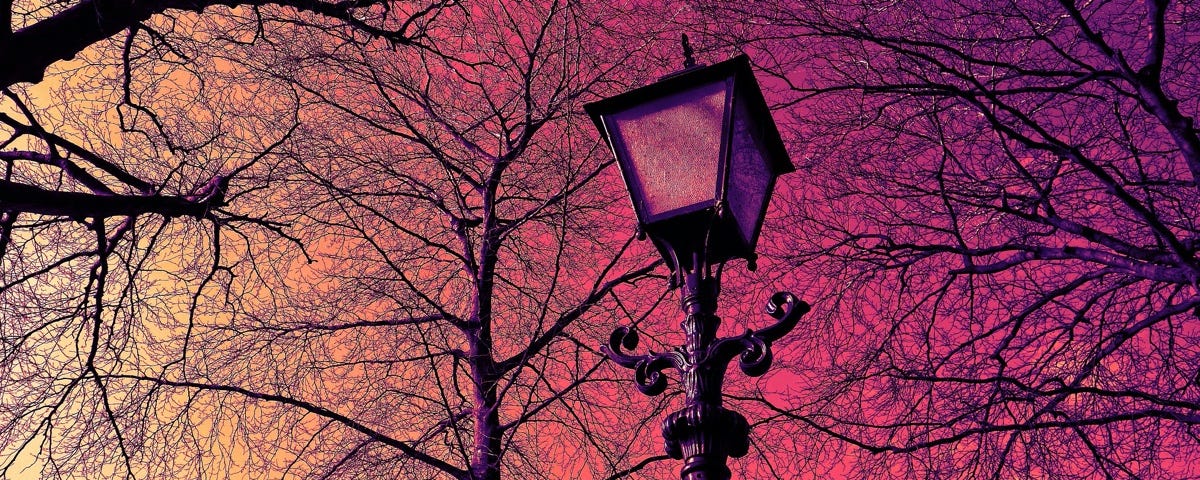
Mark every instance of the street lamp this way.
pixel 699 153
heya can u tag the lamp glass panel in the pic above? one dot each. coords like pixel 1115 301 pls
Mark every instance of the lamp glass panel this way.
pixel 670 148
pixel 749 173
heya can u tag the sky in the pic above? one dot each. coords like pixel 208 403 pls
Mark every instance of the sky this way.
pixel 411 249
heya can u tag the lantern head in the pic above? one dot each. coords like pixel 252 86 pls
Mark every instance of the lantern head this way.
pixel 699 153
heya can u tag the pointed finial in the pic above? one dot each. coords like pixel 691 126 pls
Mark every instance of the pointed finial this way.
pixel 688 60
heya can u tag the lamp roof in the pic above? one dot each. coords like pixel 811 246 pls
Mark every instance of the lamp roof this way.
pixel 745 88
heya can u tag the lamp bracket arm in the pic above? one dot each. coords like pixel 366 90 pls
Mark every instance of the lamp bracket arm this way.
pixel 787 309
pixel 753 346
pixel 647 368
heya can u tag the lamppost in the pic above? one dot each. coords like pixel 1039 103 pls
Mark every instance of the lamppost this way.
pixel 699 153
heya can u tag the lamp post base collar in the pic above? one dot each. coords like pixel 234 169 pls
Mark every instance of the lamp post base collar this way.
pixel 705 435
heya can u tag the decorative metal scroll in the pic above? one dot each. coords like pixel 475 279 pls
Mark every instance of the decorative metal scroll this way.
pixel 754 347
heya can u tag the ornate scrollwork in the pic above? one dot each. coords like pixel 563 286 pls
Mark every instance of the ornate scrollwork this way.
pixel 787 309
pixel 756 357
pixel 754 346
pixel 705 433
pixel 647 368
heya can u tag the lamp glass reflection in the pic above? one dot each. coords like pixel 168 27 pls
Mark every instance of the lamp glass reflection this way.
pixel 671 148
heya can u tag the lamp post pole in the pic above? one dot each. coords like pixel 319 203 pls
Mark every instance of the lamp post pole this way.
pixel 700 154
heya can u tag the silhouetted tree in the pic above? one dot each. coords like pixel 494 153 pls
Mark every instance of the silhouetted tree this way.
pixel 144 125
pixel 309 239
pixel 999 204
pixel 35 35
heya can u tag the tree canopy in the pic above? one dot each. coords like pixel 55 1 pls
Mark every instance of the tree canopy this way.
pixel 359 239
